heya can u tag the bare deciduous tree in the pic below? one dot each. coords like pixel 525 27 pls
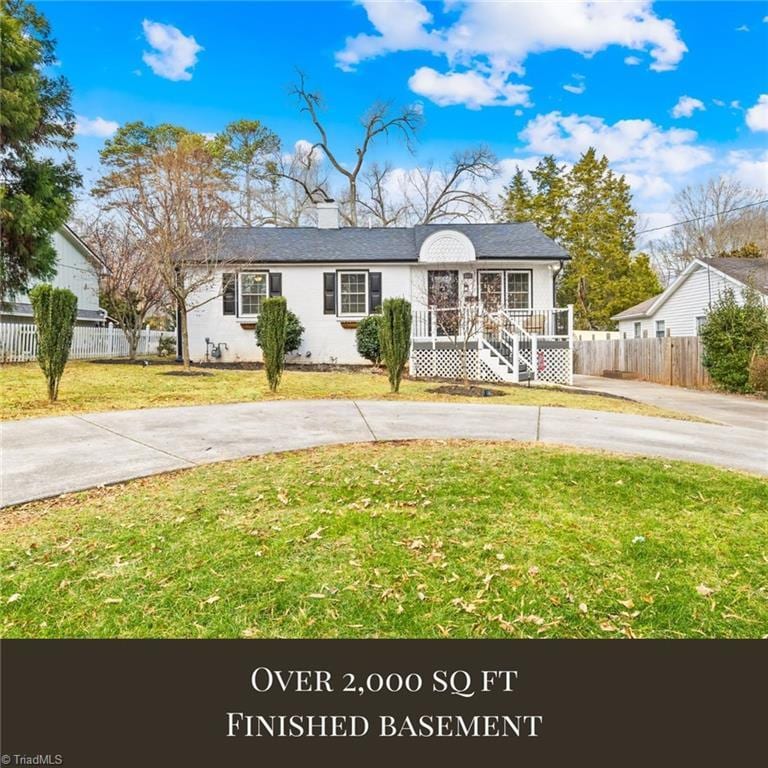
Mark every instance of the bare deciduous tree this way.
pixel 379 202
pixel 715 221
pixel 173 189
pixel 132 290
pixel 456 192
pixel 378 121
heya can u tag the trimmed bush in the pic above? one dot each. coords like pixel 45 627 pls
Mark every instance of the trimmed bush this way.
pixel 294 331
pixel 395 338
pixel 758 374
pixel 166 345
pixel 55 310
pixel 274 329
pixel 367 338
pixel 733 334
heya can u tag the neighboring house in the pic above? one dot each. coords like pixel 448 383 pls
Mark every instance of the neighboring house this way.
pixel 78 269
pixel 333 276
pixel 682 308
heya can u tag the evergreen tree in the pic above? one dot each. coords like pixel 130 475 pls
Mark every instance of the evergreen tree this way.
pixel 588 210
pixel 36 194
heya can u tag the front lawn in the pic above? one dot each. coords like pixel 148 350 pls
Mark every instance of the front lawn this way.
pixel 427 539
pixel 90 386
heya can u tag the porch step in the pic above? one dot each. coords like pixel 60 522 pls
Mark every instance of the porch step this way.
pixel 492 358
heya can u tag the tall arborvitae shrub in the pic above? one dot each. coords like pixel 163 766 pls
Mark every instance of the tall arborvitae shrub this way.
pixel 55 310
pixel 395 338
pixel 733 334
pixel 273 321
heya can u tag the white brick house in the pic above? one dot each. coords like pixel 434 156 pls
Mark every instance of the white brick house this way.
pixel 333 276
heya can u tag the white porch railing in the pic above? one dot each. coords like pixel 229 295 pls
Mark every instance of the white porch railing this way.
pixel 469 323
pixel 18 342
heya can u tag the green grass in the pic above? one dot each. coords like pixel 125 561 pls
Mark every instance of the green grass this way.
pixel 96 387
pixel 427 539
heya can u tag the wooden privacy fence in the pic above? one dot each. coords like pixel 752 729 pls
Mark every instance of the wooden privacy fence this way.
pixel 672 360
pixel 18 342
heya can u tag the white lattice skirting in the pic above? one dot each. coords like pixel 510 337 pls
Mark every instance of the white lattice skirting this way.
pixel 448 364
pixel 553 364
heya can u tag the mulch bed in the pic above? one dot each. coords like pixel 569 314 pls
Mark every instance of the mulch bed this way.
pixel 187 373
pixel 470 391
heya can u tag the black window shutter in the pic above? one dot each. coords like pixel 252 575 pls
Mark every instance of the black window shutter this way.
pixel 374 291
pixel 229 293
pixel 275 283
pixel 329 293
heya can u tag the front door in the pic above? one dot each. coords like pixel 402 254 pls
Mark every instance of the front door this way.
pixel 491 291
pixel 443 297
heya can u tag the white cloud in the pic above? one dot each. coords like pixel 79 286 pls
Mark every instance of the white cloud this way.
pixel 686 106
pixel 757 116
pixel 633 61
pixel 98 126
pixel 174 53
pixel 751 169
pixel 735 104
pixel 718 102
pixel 578 87
pixel 632 146
pixel 473 89
pixel 742 28
pixel 485 44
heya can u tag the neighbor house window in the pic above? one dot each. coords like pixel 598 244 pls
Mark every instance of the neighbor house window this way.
pixel 353 293
pixel 661 329
pixel 700 320
pixel 638 330
pixel 253 291
pixel 518 290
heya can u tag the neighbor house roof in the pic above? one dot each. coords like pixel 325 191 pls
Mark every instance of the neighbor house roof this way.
pixel 745 271
pixel 380 244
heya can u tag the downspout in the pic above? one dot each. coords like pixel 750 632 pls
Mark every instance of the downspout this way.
pixel 554 282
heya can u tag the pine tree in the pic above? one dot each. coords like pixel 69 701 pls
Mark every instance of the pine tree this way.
pixel 588 210
pixel 36 126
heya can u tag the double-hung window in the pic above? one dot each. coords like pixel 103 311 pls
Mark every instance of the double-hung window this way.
pixel 353 293
pixel 700 321
pixel 519 290
pixel 638 330
pixel 253 291
pixel 661 329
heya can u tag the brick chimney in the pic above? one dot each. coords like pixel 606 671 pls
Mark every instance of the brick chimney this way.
pixel 328 215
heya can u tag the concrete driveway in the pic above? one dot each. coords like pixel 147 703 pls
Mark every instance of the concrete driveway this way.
pixel 737 411
pixel 47 457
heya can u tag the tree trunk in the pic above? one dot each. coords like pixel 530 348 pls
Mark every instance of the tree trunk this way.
pixel 353 202
pixel 184 336
pixel 132 336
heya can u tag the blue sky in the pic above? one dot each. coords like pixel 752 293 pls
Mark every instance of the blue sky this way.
pixel 671 92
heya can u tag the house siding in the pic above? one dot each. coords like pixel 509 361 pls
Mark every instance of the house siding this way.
pixel 691 300
pixel 325 340
pixel 74 272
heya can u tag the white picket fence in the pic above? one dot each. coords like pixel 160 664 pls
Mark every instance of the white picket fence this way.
pixel 18 342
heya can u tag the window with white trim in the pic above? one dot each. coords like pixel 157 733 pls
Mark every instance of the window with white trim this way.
pixel 252 291
pixel 353 293
pixel 700 320
pixel 661 329
pixel 638 330
pixel 518 290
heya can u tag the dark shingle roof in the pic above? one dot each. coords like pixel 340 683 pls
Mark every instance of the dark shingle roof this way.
pixel 395 244
pixel 747 271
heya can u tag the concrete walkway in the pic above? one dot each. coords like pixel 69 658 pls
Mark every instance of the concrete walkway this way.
pixel 737 411
pixel 47 457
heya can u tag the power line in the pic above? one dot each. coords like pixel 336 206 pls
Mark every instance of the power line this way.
pixel 701 218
